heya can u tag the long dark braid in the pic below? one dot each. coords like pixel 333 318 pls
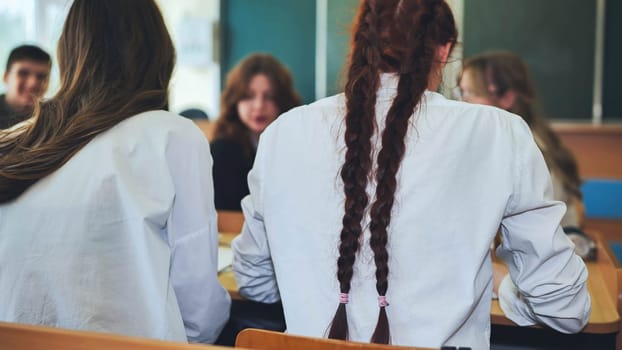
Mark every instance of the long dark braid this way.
pixel 410 89
pixel 405 40
pixel 363 80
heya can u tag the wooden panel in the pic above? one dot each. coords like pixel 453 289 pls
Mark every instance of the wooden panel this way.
pixel 598 149
pixel 266 340
pixel 230 221
pixel 611 230
pixel 26 337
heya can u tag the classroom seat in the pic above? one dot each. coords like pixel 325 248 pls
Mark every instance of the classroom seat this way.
pixel 266 340
pixel 29 337
pixel 603 201
pixel 602 198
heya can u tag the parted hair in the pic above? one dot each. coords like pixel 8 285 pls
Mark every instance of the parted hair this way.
pixel 392 36
pixel 498 72
pixel 115 59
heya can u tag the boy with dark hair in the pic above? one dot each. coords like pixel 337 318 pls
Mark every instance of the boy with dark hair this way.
pixel 26 77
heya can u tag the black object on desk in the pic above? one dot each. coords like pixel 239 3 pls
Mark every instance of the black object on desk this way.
pixel 250 314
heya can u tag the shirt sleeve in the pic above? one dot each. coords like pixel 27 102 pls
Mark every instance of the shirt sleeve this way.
pixel 193 235
pixel 252 263
pixel 548 281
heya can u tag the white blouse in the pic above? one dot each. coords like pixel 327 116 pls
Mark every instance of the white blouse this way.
pixel 468 169
pixel 121 239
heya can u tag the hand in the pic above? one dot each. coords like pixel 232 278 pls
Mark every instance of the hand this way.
pixel 499 271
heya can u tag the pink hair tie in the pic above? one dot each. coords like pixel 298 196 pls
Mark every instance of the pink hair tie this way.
pixel 343 298
pixel 382 301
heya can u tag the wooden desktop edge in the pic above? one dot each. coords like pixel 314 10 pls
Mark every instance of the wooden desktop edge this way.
pixel 23 336
pixel 605 318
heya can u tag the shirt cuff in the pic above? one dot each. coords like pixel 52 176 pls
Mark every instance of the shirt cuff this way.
pixel 513 305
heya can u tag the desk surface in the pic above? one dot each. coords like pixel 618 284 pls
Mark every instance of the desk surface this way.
pixel 603 319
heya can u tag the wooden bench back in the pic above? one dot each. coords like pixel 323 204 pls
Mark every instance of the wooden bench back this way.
pixel 27 337
pixel 267 340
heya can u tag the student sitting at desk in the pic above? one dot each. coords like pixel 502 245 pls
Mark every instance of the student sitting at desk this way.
pixel 26 77
pixel 107 222
pixel 381 231
pixel 258 89
pixel 501 79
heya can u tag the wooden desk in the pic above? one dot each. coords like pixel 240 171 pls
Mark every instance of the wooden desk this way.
pixel 225 238
pixel 226 278
pixel 603 320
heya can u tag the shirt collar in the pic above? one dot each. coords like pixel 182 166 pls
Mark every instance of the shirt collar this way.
pixel 388 88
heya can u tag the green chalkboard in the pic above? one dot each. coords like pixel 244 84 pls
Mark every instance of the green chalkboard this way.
pixel 284 28
pixel 556 39
pixel 612 92
pixel 340 16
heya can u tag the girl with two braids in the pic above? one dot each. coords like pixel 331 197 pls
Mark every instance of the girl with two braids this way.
pixel 371 213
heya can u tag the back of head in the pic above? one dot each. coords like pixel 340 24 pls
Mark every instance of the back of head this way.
pixel 115 59
pixel 403 37
pixel 27 53
pixel 115 49
pixel 228 124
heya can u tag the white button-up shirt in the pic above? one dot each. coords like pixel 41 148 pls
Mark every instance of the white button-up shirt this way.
pixel 467 170
pixel 122 238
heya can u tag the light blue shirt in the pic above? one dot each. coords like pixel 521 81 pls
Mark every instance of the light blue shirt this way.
pixel 467 170
pixel 122 238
